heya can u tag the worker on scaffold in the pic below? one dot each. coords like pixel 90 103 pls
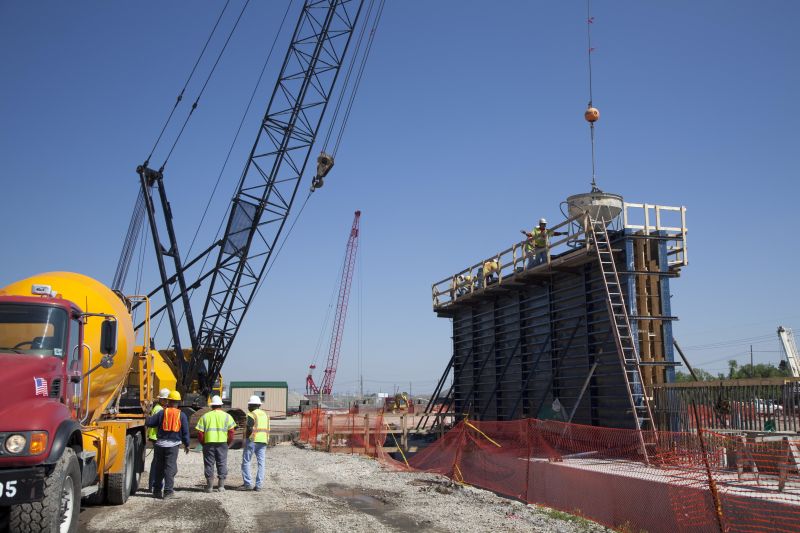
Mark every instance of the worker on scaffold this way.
pixel 256 440
pixel 486 273
pixel 537 246
pixel 215 433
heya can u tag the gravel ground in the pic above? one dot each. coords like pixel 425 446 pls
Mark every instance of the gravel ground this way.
pixel 321 492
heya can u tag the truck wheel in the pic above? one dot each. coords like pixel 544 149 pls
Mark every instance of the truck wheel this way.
pixel 119 485
pixel 58 511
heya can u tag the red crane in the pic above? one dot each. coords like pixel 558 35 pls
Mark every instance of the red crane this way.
pixel 341 313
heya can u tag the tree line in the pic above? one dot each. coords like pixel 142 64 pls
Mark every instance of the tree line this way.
pixel 735 371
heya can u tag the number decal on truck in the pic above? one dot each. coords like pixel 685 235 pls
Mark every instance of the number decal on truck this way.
pixel 9 490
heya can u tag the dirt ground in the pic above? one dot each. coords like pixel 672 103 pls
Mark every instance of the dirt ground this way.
pixel 321 492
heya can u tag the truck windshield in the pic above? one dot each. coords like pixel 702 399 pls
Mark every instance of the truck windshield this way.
pixel 33 329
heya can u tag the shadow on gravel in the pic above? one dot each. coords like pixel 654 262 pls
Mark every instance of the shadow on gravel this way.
pixel 283 522
pixel 185 514
pixel 379 504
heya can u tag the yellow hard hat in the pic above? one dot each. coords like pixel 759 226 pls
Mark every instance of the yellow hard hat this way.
pixel 175 395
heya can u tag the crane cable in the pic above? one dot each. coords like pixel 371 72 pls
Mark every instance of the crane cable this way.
pixel 359 76
pixel 346 81
pixel 326 321
pixel 238 131
pixel 188 79
pixel 137 216
pixel 591 113
pixel 341 130
pixel 227 159
pixel 205 84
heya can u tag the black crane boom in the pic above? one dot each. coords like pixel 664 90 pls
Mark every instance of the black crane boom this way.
pixel 270 179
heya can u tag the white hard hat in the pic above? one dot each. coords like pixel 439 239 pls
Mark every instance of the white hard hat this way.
pixel 163 394
pixel 542 221
pixel 216 400
pixel 254 400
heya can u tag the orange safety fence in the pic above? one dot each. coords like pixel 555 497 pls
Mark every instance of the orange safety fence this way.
pixel 703 481
pixel 346 432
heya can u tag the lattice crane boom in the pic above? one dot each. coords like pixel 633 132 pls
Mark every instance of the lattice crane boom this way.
pixel 266 191
pixel 337 332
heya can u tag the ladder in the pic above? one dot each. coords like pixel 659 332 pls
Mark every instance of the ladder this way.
pixel 623 334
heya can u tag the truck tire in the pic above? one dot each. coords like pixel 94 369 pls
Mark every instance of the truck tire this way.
pixel 59 509
pixel 119 485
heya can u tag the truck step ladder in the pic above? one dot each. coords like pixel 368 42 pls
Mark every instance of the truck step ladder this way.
pixel 623 334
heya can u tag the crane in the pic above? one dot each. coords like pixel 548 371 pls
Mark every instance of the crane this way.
pixel 326 388
pixel 266 192
pixel 789 346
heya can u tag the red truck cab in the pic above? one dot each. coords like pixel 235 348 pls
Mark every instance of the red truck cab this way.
pixel 40 357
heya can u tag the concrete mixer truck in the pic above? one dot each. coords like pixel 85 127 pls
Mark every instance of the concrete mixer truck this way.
pixel 66 356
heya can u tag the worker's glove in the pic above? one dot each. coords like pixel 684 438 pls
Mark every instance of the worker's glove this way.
pixel 186 450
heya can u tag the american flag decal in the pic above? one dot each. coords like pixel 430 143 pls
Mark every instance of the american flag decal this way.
pixel 40 385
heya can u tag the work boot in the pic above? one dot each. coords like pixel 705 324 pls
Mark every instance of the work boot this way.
pixel 157 494
pixel 169 495
pixel 209 485
pixel 221 484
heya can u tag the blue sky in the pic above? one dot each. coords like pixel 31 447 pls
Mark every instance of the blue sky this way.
pixel 468 126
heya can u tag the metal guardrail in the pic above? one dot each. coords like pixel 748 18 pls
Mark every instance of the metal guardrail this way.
pixel 652 218
pixel 518 257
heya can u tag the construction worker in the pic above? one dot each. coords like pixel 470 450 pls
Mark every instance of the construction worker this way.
pixel 462 283
pixel 152 433
pixel 539 240
pixel 172 430
pixel 487 271
pixel 215 433
pixel 256 439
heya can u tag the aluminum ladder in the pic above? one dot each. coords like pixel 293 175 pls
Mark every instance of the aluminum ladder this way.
pixel 623 334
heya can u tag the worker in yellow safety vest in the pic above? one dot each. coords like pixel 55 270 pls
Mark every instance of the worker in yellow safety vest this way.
pixel 256 440
pixel 152 433
pixel 538 243
pixel 215 433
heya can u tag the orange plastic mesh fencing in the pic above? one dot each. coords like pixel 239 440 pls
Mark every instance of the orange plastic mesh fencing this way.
pixel 346 432
pixel 625 479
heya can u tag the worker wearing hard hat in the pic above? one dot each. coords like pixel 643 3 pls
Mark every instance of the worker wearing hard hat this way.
pixel 256 439
pixel 172 428
pixel 537 247
pixel 215 433
pixel 152 433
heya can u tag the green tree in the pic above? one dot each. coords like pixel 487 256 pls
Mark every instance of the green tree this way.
pixel 702 375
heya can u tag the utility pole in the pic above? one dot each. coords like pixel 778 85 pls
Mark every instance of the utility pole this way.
pixel 361 387
pixel 752 369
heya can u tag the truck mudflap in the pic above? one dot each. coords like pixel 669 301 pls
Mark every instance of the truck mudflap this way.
pixel 23 485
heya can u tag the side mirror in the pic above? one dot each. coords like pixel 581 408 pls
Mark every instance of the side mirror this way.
pixel 108 337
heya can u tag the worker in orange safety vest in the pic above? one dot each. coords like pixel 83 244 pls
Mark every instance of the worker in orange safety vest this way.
pixel 172 428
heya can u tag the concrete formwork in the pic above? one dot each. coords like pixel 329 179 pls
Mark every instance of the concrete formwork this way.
pixel 523 343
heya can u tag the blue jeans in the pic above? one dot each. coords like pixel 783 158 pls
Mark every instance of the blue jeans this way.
pixel 260 451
